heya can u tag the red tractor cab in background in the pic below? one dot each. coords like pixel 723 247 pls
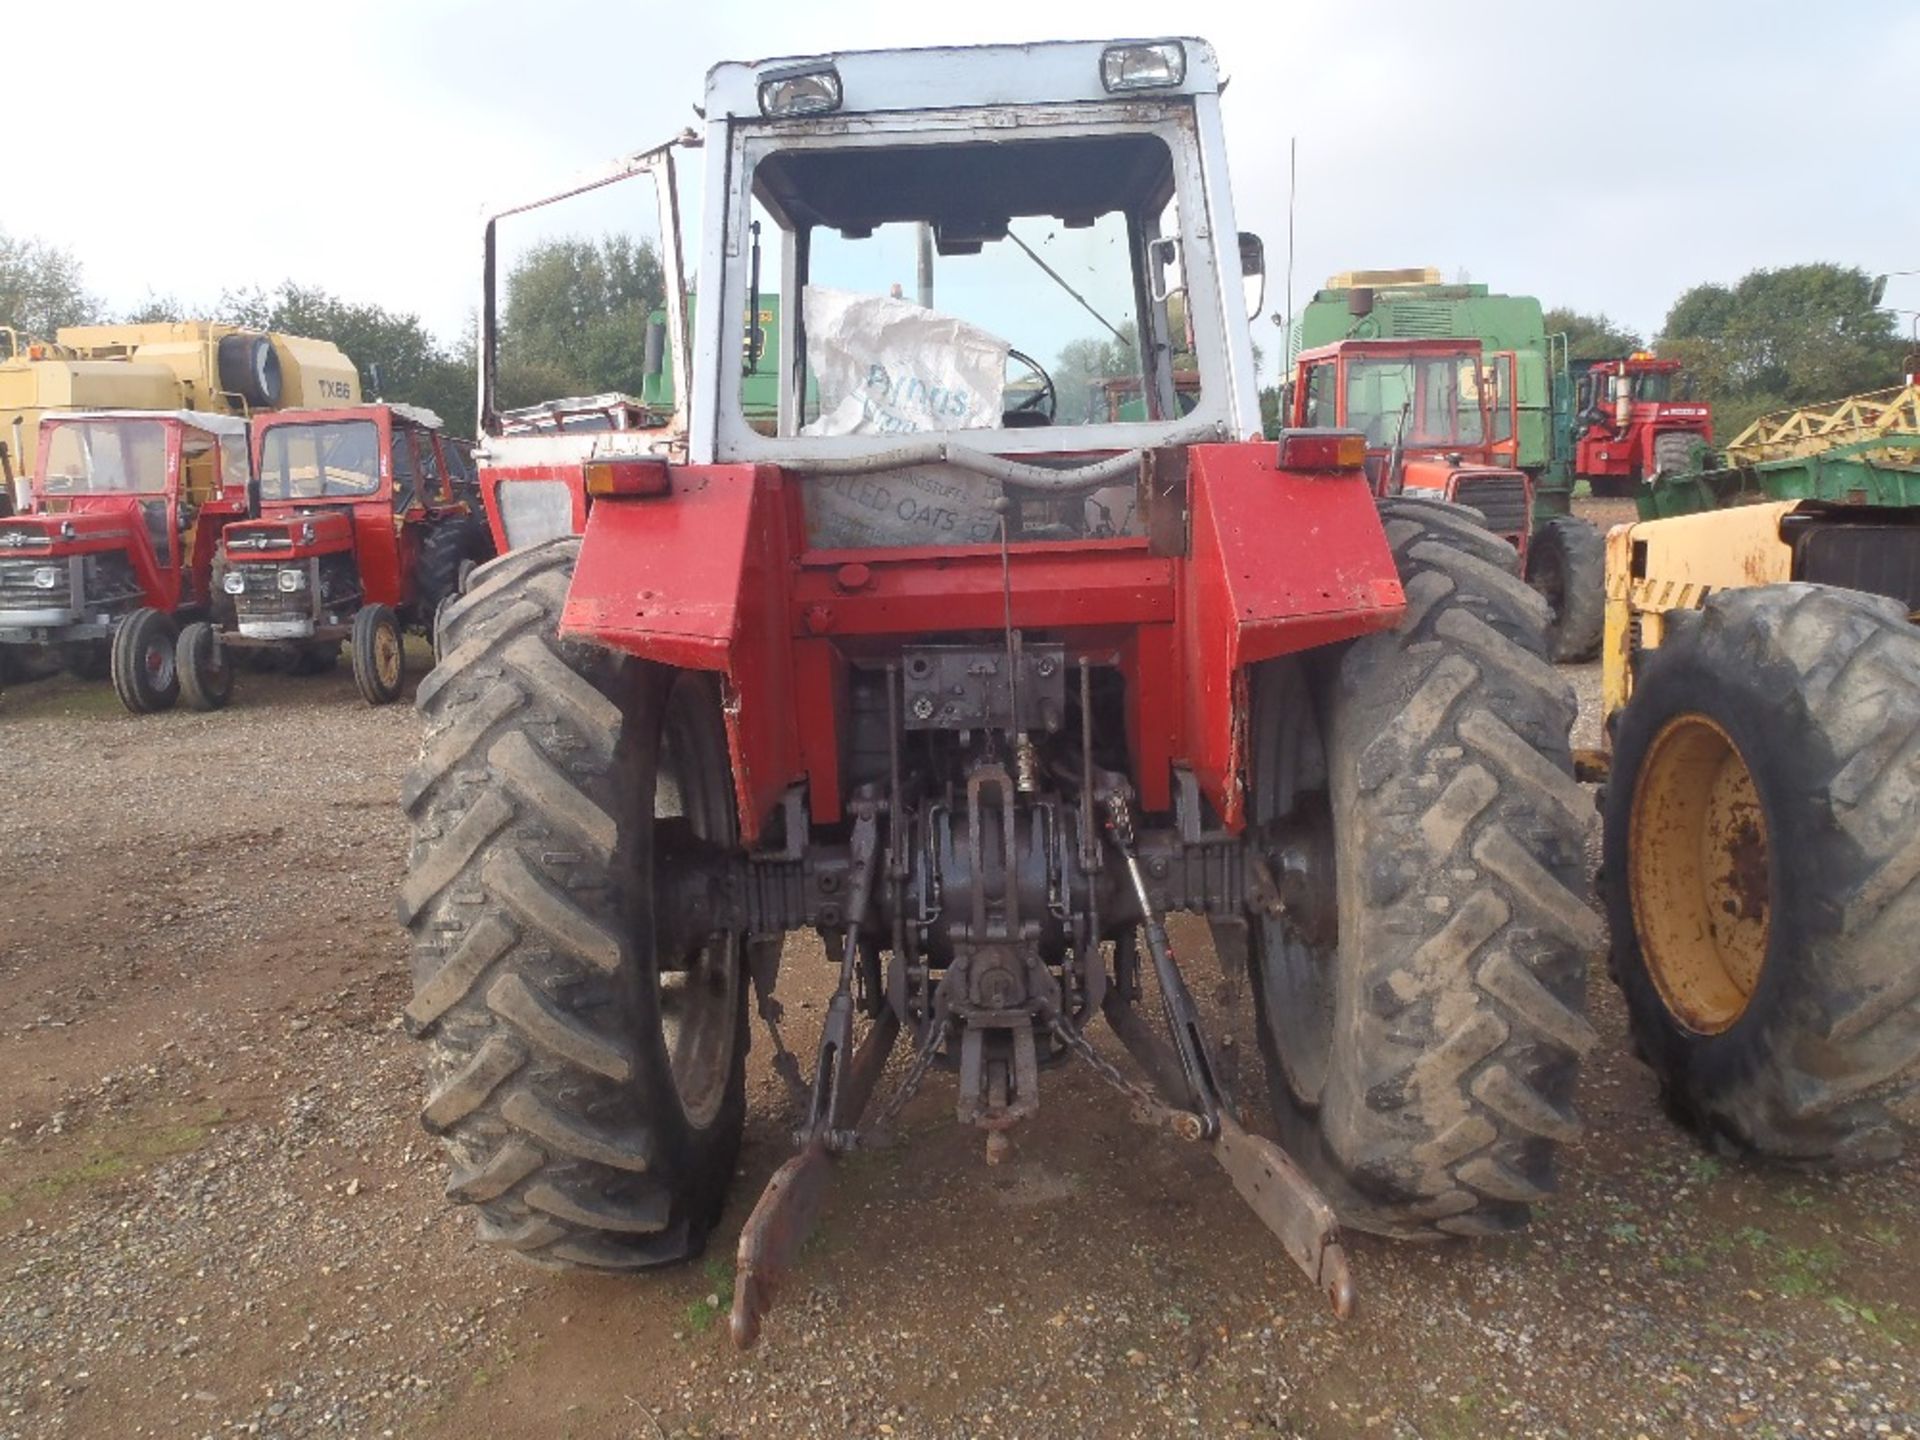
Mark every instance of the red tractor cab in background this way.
pixel 116 545
pixel 1439 418
pixel 1630 422
pixel 360 536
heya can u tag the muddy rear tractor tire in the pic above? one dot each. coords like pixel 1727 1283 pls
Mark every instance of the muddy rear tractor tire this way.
pixel 448 553
pixel 379 654
pixel 144 666
pixel 1762 871
pixel 1421 1001
pixel 590 1089
pixel 204 666
pixel 1567 564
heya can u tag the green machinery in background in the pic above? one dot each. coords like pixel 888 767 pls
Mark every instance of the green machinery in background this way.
pixel 1861 452
pixel 1415 305
pixel 759 358
pixel 1566 560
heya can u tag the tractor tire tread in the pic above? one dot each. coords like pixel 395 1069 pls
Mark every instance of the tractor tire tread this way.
pixel 1468 987
pixel 1581 553
pixel 520 963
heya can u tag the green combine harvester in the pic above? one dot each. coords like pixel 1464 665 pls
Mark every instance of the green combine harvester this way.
pixel 1566 560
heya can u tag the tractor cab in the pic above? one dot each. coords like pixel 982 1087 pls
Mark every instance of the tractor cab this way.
pixel 360 528
pixel 1439 419
pixel 124 513
pixel 1634 418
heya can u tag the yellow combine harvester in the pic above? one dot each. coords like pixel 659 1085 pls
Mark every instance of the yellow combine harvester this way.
pixel 197 365
pixel 1762 851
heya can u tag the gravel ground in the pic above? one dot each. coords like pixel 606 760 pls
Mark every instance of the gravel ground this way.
pixel 219 1216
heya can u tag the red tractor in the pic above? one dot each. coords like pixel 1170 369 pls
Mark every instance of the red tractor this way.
pixel 1439 421
pixel 117 544
pixel 360 536
pixel 1630 423
pixel 980 695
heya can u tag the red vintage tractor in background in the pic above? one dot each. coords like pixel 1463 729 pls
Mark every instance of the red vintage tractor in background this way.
pixel 1631 421
pixel 360 536
pixel 117 545
pixel 1439 421
pixel 980 693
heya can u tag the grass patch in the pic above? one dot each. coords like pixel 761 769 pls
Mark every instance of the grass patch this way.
pixel 114 1158
pixel 701 1314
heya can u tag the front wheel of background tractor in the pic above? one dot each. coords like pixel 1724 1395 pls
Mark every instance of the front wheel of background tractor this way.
pixel 590 1088
pixel 145 674
pixel 379 654
pixel 1567 564
pixel 1421 1000
pixel 205 669
pixel 1762 870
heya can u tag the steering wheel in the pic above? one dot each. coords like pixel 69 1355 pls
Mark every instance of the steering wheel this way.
pixel 1038 408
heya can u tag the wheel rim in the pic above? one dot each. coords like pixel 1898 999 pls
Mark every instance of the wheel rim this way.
pixel 1298 947
pixel 1700 872
pixel 156 663
pixel 698 1001
pixel 386 657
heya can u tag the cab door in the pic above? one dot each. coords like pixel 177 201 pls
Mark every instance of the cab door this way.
pixel 1503 408
pixel 201 478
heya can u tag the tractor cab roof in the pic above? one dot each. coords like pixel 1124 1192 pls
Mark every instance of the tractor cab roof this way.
pixel 1390 349
pixel 406 414
pixel 197 419
pixel 959 77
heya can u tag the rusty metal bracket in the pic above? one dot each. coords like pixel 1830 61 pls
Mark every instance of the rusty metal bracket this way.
pixel 785 1215
pixel 1289 1205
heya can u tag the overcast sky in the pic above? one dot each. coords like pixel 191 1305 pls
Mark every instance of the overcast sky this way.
pixel 1604 156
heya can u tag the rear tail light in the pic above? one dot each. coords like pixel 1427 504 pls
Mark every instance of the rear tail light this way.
pixel 1322 450
pixel 627 478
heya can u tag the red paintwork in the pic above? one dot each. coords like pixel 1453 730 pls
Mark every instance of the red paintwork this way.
pixel 715 577
pixel 492 479
pixel 1603 449
pixel 331 531
pixel 1439 463
pixel 169 582
pixel 385 541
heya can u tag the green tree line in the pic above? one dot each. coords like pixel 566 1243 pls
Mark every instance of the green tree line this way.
pixel 574 313
pixel 573 322
pixel 1776 339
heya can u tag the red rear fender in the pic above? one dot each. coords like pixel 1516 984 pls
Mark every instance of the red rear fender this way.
pixel 1281 563
pixel 698 580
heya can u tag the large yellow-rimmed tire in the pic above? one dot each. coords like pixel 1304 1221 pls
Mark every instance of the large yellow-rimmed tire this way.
pixel 586 1068
pixel 1762 870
